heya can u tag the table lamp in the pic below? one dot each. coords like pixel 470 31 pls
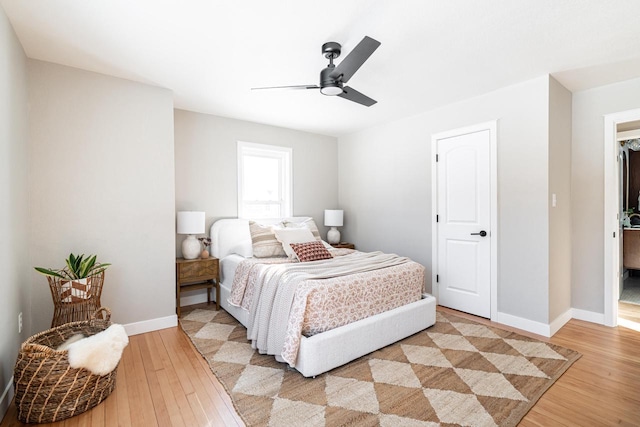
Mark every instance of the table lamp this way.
pixel 333 219
pixel 190 223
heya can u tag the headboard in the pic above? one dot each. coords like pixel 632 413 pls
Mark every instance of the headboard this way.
pixel 231 236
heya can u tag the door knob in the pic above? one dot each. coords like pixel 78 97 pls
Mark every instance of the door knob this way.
pixel 481 233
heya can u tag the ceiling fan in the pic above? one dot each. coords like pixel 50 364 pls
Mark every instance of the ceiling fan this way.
pixel 333 77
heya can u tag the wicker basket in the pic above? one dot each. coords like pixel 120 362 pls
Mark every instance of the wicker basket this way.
pixel 73 302
pixel 47 389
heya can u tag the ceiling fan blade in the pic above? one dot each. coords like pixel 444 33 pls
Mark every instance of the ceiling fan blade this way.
pixel 355 59
pixel 353 95
pixel 288 87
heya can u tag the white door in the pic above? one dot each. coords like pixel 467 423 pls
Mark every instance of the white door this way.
pixel 463 222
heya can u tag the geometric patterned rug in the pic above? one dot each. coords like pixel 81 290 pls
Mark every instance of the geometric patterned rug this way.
pixel 455 373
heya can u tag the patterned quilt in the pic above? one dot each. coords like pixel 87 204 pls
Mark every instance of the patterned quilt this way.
pixel 287 300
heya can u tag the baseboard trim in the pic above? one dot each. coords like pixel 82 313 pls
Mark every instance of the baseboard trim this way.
pixel 151 325
pixel 532 326
pixel 588 316
pixel 5 399
pixel 550 329
pixel 560 321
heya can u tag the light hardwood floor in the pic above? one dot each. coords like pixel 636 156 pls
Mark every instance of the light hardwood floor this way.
pixel 163 380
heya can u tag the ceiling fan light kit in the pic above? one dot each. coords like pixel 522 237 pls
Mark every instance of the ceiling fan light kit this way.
pixel 332 78
pixel 331 90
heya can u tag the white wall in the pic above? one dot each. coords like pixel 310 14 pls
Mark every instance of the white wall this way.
pixel 560 185
pixel 587 183
pixel 385 188
pixel 102 182
pixel 206 166
pixel 14 214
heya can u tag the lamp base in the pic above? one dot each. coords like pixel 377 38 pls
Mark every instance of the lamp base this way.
pixel 191 247
pixel 333 236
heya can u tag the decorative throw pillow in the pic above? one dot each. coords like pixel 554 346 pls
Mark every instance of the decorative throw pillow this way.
pixel 264 242
pixel 286 236
pixel 310 251
pixel 309 223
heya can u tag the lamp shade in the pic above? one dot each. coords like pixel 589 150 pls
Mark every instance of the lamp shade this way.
pixel 333 218
pixel 190 222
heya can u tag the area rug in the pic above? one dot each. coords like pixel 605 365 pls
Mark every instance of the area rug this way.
pixel 456 372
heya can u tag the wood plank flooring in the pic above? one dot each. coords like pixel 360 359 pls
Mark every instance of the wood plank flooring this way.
pixel 629 312
pixel 163 381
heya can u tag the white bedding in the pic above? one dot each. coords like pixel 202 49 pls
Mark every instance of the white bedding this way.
pixel 307 298
pixel 326 350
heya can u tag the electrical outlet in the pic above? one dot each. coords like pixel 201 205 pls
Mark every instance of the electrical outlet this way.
pixel 20 323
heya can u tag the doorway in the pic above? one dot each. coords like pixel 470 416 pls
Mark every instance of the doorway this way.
pixel 620 261
pixel 464 223
pixel 628 138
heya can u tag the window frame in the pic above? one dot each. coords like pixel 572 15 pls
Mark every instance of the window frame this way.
pixel 285 178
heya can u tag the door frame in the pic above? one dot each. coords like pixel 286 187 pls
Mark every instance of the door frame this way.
pixel 492 127
pixel 611 237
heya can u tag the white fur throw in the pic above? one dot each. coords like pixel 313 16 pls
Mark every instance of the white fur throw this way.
pixel 65 345
pixel 101 352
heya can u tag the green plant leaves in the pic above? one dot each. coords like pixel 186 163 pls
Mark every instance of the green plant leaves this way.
pixel 78 267
pixel 48 272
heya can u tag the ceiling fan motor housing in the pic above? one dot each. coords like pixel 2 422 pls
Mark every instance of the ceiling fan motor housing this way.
pixel 328 84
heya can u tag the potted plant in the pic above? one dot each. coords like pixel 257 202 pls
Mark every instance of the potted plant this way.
pixel 75 278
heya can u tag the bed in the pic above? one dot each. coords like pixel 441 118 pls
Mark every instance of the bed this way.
pixel 325 346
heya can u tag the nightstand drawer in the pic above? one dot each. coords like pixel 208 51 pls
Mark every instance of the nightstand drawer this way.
pixel 203 270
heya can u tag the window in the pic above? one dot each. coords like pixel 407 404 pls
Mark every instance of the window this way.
pixel 264 181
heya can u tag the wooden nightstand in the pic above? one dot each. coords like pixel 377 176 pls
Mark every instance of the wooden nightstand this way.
pixel 198 273
pixel 344 245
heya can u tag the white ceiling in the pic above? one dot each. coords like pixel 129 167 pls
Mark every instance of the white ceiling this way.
pixel 211 52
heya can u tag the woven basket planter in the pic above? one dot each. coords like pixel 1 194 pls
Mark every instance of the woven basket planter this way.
pixel 74 301
pixel 47 389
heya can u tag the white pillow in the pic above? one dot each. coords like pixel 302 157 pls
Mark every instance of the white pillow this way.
pixel 308 223
pixel 286 236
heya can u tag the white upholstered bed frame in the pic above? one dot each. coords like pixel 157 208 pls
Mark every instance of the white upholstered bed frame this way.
pixel 325 351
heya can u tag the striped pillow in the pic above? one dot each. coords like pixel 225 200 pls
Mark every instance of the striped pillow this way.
pixel 310 251
pixel 264 242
